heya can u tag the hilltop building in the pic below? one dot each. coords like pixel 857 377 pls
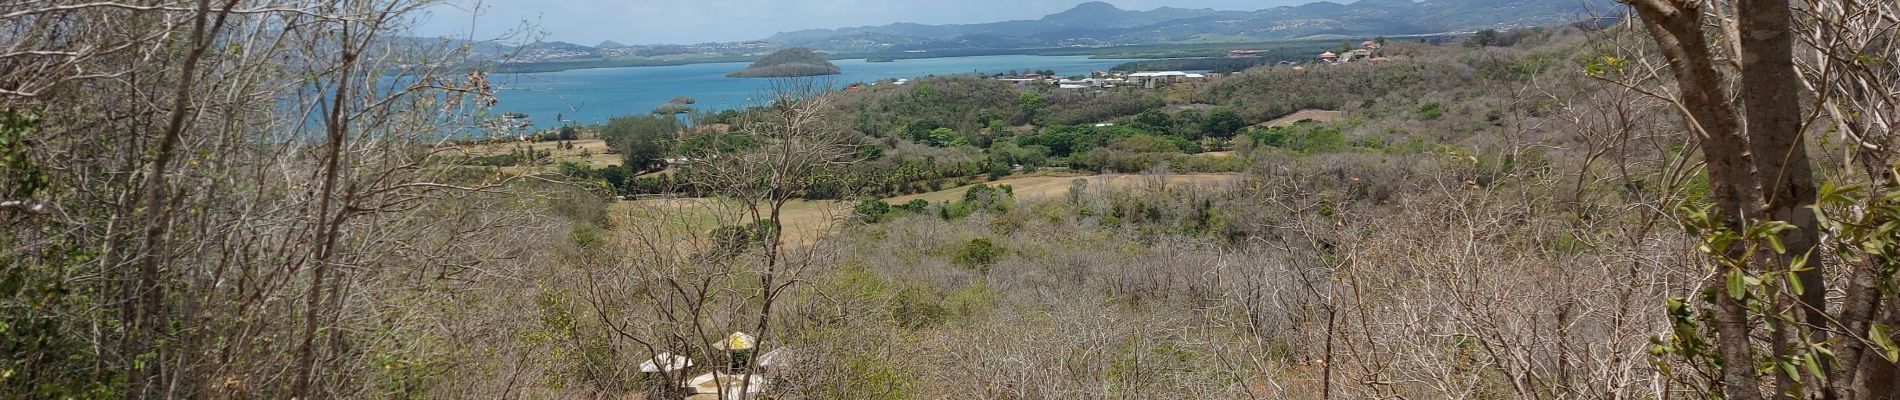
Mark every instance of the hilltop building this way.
pixel 1152 79
pixel 1368 50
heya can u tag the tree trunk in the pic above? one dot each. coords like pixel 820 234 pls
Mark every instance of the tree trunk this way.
pixel 1678 34
pixel 1769 89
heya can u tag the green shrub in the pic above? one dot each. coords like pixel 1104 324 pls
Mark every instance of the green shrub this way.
pixel 871 211
pixel 917 307
pixel 978 254
pixel 986 197
pixel 1304 137
pixel 585 236
pixel 971 300
pixel 874 378
pixel 915 206
pixel 1211 164
pixel 1431 111
pixel 735 238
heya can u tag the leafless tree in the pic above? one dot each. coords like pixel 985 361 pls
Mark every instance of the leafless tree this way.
pixel 225 180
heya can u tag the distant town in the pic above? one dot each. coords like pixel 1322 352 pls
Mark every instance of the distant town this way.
pixel 1371 51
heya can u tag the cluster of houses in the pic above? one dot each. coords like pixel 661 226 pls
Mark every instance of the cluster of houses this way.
pixel 1110 79
pixel 1368 51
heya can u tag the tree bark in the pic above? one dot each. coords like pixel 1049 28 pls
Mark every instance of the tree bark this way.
pixel 1769 89
pixel 1677 30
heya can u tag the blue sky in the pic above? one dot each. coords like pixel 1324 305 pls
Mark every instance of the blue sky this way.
pixel 695 21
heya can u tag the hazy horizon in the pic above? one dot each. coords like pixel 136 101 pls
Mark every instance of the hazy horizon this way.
pixel 649 22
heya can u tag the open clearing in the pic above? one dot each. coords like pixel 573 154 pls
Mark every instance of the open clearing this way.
pixel 593 152
pixel 1044 186
pixel 692 218
pixel 1302 115
pixel 678 221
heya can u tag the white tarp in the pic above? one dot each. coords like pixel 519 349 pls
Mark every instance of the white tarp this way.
pixel 666 362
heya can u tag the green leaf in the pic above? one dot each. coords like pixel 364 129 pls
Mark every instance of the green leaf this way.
pixel 1735 284
pixel 1794 282
pixel 1878 333
pixel 1814 367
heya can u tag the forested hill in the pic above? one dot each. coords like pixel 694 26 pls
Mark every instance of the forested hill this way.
pixel 791 62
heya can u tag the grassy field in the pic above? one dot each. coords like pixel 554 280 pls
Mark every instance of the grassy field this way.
pixel 1054 185
pixel 690 219
pixel 592 152
pixel 684 222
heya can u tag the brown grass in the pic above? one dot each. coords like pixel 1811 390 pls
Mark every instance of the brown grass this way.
pixel 691 218
pixel 593 152
pixel 807 221
pixel 1045 186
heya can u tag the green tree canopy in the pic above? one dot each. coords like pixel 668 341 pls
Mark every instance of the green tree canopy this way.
pixel 643 141
pixel 1222 123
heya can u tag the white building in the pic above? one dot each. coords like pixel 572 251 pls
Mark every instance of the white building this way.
pixel 1151 79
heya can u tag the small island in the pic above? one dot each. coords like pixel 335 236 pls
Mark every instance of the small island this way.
pixel 791 62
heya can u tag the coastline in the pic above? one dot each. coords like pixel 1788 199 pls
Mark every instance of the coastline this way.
pixel 1127 52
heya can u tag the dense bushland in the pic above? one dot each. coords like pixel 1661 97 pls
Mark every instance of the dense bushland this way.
pixel 1543 213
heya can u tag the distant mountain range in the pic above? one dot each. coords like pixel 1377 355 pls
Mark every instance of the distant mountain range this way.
pixel 1099 24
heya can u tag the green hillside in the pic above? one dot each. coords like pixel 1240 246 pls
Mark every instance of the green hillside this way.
pixel 788 63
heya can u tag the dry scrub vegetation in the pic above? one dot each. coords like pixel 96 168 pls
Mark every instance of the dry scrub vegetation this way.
pixel 240 199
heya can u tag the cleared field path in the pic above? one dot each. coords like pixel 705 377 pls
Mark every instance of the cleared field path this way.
pixel 806 221
pixel 1044 186
pixel 1302 115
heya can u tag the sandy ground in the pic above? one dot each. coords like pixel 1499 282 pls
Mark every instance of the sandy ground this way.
pixel 1302 115
pixel 667 171
pixel 593 152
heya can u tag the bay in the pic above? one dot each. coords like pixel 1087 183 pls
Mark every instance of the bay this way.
pixel 589 96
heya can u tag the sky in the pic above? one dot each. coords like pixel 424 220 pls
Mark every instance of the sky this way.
pixel 589 22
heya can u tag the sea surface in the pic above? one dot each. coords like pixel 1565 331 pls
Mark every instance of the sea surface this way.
pixel 588 96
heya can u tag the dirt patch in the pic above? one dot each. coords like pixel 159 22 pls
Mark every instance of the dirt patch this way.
pixel 1302 115
pixel 655 174
pixel 593 152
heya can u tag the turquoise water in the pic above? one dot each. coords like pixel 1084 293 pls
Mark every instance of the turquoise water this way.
pixel 593 95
